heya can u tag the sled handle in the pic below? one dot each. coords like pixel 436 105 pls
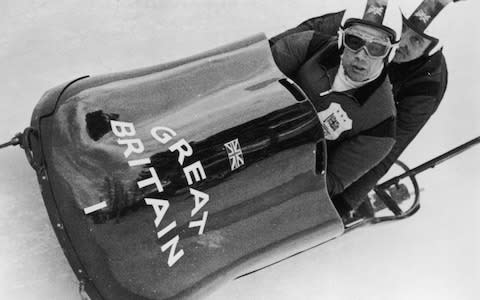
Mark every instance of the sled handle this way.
pixel 431 163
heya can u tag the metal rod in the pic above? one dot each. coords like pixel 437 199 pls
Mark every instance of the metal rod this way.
pixel 431 163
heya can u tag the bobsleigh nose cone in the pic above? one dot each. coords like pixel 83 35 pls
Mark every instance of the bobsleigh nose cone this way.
pixel 156 191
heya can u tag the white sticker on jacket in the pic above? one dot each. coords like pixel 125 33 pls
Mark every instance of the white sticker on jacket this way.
pixel 334 121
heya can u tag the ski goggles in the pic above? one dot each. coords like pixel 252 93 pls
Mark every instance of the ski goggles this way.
pixel 375 48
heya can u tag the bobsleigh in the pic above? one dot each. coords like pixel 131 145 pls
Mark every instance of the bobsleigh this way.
pixel 166 182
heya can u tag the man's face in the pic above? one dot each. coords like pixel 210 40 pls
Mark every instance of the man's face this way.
pixel 358 64
pixel 412 45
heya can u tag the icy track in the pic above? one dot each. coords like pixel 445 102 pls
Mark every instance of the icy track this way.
pixel 434 255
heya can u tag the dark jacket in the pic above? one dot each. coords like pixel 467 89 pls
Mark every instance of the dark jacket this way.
pixel 358 123
pixel 327 24
pixel 418 88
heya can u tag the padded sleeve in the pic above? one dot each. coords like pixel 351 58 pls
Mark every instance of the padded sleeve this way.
pixel 327 24
pixel 291 52
pixel 410 120
pixel 354 157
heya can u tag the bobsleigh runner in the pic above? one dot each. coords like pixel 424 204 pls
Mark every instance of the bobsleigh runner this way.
pixel 167 181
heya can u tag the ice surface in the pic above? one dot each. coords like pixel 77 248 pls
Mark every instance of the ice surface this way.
pixel 434 255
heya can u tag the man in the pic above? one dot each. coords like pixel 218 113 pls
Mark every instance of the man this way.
pixel 348 86
pixel 419 77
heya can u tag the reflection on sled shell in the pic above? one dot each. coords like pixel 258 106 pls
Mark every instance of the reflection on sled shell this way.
pixel 204 169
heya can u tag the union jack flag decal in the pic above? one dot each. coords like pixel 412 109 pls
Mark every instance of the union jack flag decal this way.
pixel 235 155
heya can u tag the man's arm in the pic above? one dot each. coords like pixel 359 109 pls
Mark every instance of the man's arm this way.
pixel 326 24
pixel 354 157
pixel 292 51
pixel 409 124
pixel 413 112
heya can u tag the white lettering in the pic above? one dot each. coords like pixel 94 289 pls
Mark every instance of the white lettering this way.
pixel 160 207
pixel 122 129
pixel 131 146
pixel 166 230
pixel 194 172
pixel 166 137
pixel 173 257
pixel 93 208
pixel 201 199
pixel 183 148
pixel 201 223
pixel 197 170
pixel 139 162
pixel 152 180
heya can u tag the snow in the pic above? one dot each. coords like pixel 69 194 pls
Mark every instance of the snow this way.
pixel 433 255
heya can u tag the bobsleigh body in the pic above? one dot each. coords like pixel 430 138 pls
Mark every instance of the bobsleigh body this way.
pixel 165 182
